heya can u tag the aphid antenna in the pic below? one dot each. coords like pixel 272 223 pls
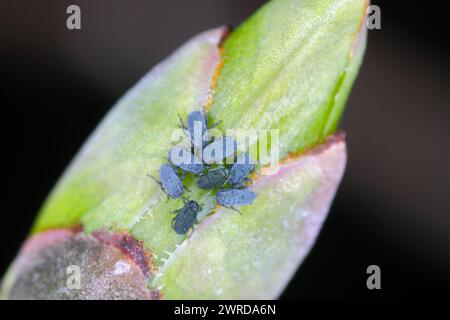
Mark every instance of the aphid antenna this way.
pixel 215 124
pixel 258 167
pixel 234 209
pixel 228 180
pixel 154 179
pixel 168 253
pixel 213 138
pixel 185 200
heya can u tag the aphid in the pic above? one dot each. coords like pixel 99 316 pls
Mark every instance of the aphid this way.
pixel 199 117
pixel 240 170
pixel 170 182
pixel 185 217
pixel 199 120
pixel 185 163
pixel 222 148
pixel 195 120
pixel 214 178
pixel 235 197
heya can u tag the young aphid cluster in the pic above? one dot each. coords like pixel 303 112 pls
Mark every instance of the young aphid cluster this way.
pixel 211 173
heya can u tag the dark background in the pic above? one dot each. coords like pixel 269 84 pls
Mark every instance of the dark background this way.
pixel 392 208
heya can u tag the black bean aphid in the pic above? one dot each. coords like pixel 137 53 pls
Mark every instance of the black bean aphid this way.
pixel 240 170
pixel 185 217
pixel 214 178
pixel 199 117
pixel 170 182
pixel 195 119
pixel 189 166
pixel 222 148
pixel 235 197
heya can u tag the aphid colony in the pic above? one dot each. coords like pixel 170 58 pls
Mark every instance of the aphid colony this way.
pixel 228 179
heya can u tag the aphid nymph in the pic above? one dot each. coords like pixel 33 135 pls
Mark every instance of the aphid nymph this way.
pixel 185 217
pixel 235 197
pixel 213 178
pixel 196 117
pixel 222 148
pixel 170 182
pixel 196 126
pixel 186 163
pixel 240 170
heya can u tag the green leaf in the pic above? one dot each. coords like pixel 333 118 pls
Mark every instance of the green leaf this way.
pixel 289 67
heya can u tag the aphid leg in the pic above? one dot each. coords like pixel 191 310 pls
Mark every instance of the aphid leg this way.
pixel 190 232
pixel 166 159
pixel 185 200
pixel 258 168
pixel 181 122
pixel 209 140
pixel 247 181
pixel 215 124
pixel 154 179
pixel 235 209
pixel 167 196
pixel 160 184
pixel 168 253
pixel 232 208
pixel 173 222
pixel 226 181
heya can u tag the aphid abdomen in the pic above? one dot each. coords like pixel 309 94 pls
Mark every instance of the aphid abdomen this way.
pixel 235 197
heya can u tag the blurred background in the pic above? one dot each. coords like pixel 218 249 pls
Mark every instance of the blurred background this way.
pixel 393 207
